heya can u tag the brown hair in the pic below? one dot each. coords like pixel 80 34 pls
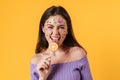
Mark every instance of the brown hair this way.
pixel 69 41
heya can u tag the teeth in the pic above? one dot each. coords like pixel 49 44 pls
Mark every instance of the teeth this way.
pixel 55 39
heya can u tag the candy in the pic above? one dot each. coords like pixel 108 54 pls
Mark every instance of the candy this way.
pixel 53 46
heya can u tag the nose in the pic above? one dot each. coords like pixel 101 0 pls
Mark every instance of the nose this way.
pixel 55 31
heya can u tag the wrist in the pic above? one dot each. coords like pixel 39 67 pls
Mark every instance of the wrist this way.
pixel 42 78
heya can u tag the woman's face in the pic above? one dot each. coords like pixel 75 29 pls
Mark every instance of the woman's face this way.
pixel 55 29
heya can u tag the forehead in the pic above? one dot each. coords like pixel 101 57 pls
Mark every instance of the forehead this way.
pixel 57 19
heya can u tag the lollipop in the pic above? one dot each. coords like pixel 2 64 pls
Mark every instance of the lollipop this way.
pixel 53 46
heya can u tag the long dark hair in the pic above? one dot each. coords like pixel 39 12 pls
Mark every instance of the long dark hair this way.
pixel 69 41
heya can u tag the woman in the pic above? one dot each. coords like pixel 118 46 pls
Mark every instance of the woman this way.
pixel 69 61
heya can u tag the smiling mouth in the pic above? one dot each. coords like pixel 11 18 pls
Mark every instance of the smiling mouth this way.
pixel 55 39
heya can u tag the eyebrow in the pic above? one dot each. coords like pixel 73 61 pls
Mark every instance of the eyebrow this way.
pixel 52 25
pixel 48 25
pixel 61 25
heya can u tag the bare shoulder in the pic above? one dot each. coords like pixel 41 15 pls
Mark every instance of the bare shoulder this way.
pixel 35 58
pixel 77 53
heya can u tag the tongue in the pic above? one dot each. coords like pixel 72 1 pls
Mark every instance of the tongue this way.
pixel 55 40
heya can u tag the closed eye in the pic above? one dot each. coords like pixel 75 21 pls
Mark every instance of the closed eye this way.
pixel 50 26
pixel 62 26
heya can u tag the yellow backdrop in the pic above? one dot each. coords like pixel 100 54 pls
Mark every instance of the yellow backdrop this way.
pixel 96 24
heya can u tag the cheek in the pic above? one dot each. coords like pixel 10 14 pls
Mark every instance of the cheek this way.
pixel 47 32
pixel 63 32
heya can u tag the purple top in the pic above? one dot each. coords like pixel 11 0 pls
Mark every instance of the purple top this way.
pixel 75 70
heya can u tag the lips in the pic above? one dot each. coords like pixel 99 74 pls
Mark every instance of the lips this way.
pixel 55 39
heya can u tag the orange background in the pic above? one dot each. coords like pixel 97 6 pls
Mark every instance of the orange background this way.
pixel 96 24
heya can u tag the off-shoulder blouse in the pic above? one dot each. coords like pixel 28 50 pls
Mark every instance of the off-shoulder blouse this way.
pixel 75 70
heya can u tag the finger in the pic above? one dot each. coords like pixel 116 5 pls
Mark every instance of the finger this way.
pixel 45 66
pixel 48 59
pixel 42 68
pixel 47 63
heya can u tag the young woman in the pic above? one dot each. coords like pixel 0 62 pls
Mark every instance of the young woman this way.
pixel 69 61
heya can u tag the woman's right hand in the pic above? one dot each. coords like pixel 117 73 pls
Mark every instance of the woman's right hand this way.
pixel 43 67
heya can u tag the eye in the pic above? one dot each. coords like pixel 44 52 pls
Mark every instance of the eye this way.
pixel 50 27
pixel 62 27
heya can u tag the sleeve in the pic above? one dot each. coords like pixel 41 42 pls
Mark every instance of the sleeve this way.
pixel 33 73
pixel 85 71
